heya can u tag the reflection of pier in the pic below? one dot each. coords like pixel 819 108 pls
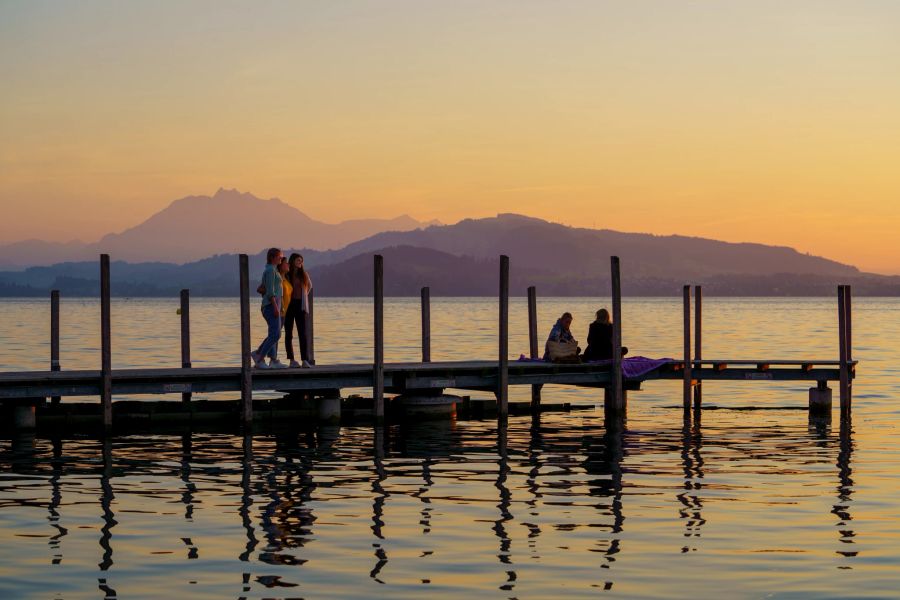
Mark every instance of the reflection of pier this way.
pixel 845 492
pixel 692 504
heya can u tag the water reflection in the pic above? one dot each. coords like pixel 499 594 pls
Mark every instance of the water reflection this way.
pixel 565 481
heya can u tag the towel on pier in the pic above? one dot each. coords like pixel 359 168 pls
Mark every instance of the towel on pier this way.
pixel 632 366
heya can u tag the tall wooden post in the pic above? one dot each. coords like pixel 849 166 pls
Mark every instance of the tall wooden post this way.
pixel 185 337
pixel 843 352
pixel 378 368
pixel 533 345
pixel 698 342
pixel 54 336
pixel 848 310
pixel 105 343
pixel 310 330
pixel 688 370
pixel 426 324
pixel 503 350
pixel 617 396
pixel 246 376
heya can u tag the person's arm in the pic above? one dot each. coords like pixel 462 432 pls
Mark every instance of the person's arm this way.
pixel 271 281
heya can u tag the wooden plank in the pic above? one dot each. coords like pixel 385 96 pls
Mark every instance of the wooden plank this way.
pixel 105 343
pixel 185 337
pixel 378 367
pixel 503 341
pixel 54 337
pixel 687 375
pixel 533 344
pixel 426 324
pixel 617 395
pixel 246 377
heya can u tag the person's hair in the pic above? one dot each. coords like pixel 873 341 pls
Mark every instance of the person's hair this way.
pixel 566 315
pixel 603 315
pixel 283 261
pixel 294 273
pixel 272 253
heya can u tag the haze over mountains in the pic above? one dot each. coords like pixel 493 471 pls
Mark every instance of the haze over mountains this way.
pixel 457 260
pixel 196 227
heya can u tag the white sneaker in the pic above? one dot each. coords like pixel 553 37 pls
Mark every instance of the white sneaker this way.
pixel 306 364
pixel 295 364
pixel 277 364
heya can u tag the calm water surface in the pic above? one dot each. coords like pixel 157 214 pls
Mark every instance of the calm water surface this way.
pixel 749 504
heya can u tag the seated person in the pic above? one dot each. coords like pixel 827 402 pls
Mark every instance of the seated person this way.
pixel 561 334
pixel 600 338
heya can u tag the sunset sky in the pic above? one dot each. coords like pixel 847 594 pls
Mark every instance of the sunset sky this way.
pixel 776 122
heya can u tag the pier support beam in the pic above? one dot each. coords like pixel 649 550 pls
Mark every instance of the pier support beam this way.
pixel 503 354
pixel 820 400
pixel 844 349
pixel 105 343
pixel 533 346
pixel 246 376
pixel 426 325
pixel 616 400
pixel 698 343
pixel 688 371
pixel 54 336
pixel 185 337
pixel 378 367
pixel 310 328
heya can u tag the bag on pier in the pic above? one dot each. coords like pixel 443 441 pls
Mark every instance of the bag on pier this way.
pixel 562 351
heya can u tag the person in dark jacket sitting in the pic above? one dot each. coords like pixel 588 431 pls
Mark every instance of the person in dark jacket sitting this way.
pixel 600 338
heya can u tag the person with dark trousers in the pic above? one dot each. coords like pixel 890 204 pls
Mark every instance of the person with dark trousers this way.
pixel 600 342
pixel 297 311
pixel 271 310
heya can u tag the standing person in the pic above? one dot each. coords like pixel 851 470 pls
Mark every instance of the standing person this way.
pixel 600 334
pixel 271 311
pixel 297 311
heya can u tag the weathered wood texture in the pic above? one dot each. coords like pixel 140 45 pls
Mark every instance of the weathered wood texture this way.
pixel 698 342
pixel 426 324
pixel 617 396
pixel 533 344
pixel 688 375
pixel 54 336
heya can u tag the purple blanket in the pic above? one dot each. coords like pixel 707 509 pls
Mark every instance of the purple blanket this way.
pixel 632 366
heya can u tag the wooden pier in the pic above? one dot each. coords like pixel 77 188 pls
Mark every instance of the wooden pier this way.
pixel 425 379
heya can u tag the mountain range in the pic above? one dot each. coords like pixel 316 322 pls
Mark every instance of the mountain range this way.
pixel 196 227
pixel 462 260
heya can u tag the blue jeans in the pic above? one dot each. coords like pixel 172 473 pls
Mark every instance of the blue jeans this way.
pixel 269 346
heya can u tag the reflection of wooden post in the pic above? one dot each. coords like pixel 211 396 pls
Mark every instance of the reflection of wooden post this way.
pixel 246 377
pixel 533 345
pixel 503 350
pixel 54 336
pixel 310 330
pixel 105 343
pixel 698 341
pixel 842 343
pixel 185 337
pixel 378 369
pixel 426 325
pixel 687 351
pixel 618 397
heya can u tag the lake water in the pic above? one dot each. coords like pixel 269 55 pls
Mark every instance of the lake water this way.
pixel 749 504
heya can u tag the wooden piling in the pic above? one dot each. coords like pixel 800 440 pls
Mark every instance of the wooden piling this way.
pixel 843 352
pixel 503 354
pixel 54 336
pixel 426 324
pixel 688 374
pixel 310 330
pixel 246 374
pixel 378 367
pixel 533 345
pixel 698 342
pixel 185 337
pixel 848 310
pixel 617 396
pixel 105 343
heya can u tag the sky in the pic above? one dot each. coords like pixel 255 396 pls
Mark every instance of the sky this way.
pixel 766 121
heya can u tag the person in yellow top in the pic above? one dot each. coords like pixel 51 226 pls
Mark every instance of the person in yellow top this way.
pixel 286 287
